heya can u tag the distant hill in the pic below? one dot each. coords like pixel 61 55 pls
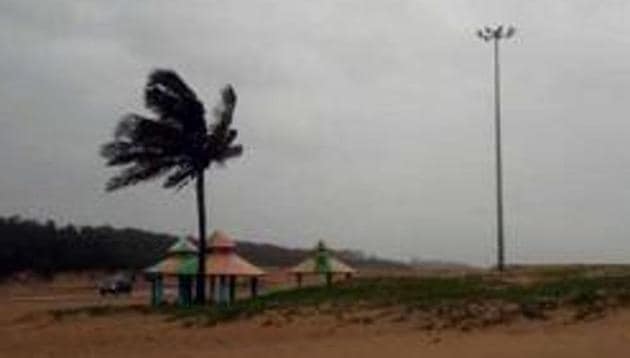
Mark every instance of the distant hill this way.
pixel 47 248
pixel 272 255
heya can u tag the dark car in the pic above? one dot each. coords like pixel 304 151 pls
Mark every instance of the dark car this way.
pixel 115 284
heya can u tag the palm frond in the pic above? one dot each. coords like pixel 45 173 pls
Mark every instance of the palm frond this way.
pixel 177 143
pixel 121 153
pixel 221 136
pixel 169 97
pixel 180 177
pixel 230 153
pixel 139 172
pixel 224 112
pixel 138 128
pixel 228 96
pixel 139 138
pixel 171 82
pixel 230 136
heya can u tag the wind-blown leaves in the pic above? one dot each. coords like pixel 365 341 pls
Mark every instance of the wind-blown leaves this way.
pixel 170 98
pixel 222 137
pixel 177 143
pixel 510 31
pixel 136 174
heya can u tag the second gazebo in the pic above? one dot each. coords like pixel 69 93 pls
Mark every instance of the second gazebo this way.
pixel 224 266
pixel 321 263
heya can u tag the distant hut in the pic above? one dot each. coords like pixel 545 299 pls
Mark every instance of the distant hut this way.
pixel 223 267
pixel 321 263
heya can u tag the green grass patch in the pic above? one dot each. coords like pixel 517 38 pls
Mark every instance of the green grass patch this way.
pixel 415 293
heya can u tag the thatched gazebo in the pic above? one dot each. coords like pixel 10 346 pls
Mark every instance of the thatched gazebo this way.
pixel 321 263
pixel 180 261
pixel 223 267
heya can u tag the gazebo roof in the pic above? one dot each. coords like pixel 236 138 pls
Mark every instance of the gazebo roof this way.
pixel 322 262
pixel 216 265
pixel 182 246
pixel 220 240
pixel 175 265
pixel 221 260
pixel 230 264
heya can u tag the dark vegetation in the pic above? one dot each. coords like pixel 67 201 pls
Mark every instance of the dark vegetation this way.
pixel 462 302
pixel 47 248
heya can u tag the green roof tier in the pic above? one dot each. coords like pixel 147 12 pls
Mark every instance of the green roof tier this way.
pixel 182 247
pixel 322 262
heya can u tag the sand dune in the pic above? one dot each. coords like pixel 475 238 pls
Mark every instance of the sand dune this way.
pixel 26 330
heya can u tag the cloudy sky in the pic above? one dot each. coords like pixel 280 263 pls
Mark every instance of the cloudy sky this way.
pixel 368 124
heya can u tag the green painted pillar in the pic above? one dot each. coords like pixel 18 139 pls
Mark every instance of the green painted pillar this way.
pixel 188 290
pixel 185 290
pixel 157 290
pixel 180 290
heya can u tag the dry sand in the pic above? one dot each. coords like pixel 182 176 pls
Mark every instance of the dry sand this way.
pixel 26 330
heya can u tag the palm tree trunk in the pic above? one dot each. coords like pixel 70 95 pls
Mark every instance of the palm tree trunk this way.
pixel 201 211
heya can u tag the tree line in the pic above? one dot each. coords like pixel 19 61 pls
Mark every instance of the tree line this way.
pixel 46 248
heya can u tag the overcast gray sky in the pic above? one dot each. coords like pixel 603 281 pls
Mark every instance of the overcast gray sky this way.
pixel 366 123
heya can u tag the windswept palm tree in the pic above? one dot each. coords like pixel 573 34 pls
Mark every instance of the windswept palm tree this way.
pixel 176 144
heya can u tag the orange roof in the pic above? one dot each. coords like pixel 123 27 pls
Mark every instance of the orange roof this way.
pixel 220 240
pixel 221 258
pixel 230 264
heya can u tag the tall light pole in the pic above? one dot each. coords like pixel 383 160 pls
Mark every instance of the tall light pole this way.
pixel 495 34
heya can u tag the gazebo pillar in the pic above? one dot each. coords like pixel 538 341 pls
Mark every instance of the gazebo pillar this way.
pixel 157 290
pixel 185 290
pixel 212 285
pixel 222 289
pixel 329 277
pixel 216 289
pixel 232 280
pixel 348 275
pixel 298 279
pixel 254 287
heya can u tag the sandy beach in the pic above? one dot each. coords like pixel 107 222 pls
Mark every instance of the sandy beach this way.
pixel 27 329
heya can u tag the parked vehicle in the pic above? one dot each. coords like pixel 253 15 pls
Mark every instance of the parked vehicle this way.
pixel 116 284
